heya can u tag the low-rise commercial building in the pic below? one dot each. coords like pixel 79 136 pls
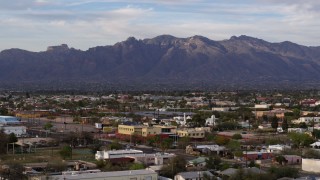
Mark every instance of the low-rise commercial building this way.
pixel 146 130
pixel 115 175
pixel 18 131
pixel 192 133
pixel 135 155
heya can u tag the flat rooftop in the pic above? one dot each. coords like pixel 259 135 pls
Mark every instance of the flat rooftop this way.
pixel 104 175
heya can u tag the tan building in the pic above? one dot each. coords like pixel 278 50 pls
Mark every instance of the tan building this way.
pixel 279 113
pixel 130 130
pixel 196 133
pixel 146 130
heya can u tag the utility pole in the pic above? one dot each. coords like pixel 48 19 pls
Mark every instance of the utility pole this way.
pixel 246 156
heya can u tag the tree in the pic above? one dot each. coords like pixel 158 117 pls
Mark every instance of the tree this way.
pixel 183 142
pixel 66 152
pixel 281 160
pixel 237 136
pixel 12 138
pixel 48 126
pixel 166 144
pixel 213 162
pixel 265 118
pixel 221 140
pixel 16 171
pixel 4 111
pixel 115 145
pixel 136 166
pixel 316 133
pixel 285 124
pixel 274 122
pixel 3 143
pixel 175 166
pixel 303 125
pixel 233 145
pixel 311 153
pixel 279 172
pixel 301 139
pixel 196 121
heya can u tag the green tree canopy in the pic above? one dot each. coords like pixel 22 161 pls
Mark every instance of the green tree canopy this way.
pixel 12 138
pixel 175 166
pixel 237 136
pixel 48 126
pixel 274 122
pixel 301 139
pixel 196 121
pixel 136 166
pixel 285 124
pixel 213 162
pixel 66 152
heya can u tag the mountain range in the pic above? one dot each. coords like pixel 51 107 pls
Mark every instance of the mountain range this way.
pixel 167 61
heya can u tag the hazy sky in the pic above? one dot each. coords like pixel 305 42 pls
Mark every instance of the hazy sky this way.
pixel 36 24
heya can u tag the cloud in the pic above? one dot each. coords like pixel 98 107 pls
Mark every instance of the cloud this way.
pixel 35 24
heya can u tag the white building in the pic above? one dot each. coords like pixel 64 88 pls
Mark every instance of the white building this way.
pixel 193 175
pixel 117 154
pixel 262 106
pixel 277 148
pixel 315 145
pixel 221 109
pixel 307 120
pixel 10 124
pixel 115 175
pixel 16 130
pixel 137 155
pixel 211 121
pixel 311 165
pixel 213 148
pixel 297 130
pixel 182 120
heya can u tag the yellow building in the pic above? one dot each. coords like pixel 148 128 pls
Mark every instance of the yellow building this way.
pixel 192 133
pixel 26 115
pixel 158 129
pixel 130 129
pixel 146 130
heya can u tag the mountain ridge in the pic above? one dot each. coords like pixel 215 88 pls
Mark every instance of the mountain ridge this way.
pixel 169 60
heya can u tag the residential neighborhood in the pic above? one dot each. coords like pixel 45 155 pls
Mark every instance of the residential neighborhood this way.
pixel 172 135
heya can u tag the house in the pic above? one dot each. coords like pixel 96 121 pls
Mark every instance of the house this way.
pixel 277 148
pixel 216 149
pixel 198 163
pixel 231 171
pixel 297 130
pixel 307 120
pixel 292 159
pixel 315 145
pixel 257 155
pixel 228 172
pixel 193 175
